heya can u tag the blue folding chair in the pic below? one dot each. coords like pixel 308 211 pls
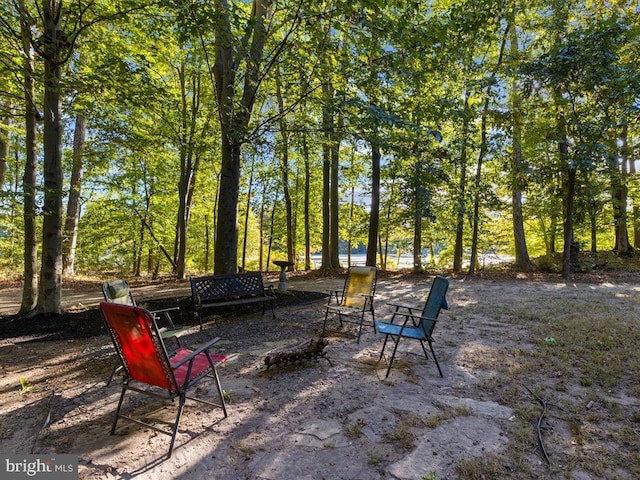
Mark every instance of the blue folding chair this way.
pixel 417 325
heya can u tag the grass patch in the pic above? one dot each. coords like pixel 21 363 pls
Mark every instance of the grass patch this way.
pixel 403 435
pixel 579 352
pixel 355 430
pixel 433 421
pixel 481 468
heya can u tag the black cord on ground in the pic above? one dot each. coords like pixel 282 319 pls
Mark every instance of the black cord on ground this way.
pixel 538 429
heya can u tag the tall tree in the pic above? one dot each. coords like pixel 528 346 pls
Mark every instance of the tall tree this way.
pixel 483 150
pixel 192 129
pixel 235 103
pixel 60 27
pixel 53 48
pixel 374 211
pixel 460 203
pixel 70 235
pixel 285 170
pixel 330 176
pixel 517 170
pixel 30 283
pixel 5 125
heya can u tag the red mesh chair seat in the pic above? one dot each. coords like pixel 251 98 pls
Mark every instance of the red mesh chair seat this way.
pixel 200 364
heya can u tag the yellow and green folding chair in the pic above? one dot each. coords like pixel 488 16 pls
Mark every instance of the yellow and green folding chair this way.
pixel 356 299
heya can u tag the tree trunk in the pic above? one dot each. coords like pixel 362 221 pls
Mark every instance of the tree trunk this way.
pixel 483 151
pixel 559 20
pixel 418 207
pixel 189 162
pixel 284 169
pixel 636 208
pixel 374 215
pixel 619 175
pixel 522 260
pixel 273 215
pixel 307 209
pixel 263 208
pixel 70 236
pixel 4 145
pixel 215 210
pixel 207 243
pixel 137 257
pixel 326 189
pixel 568 224
pixel 330 176
pixel 327 123
pixel 388 225
pixel 553 231
pixel 352 201
pixel 226 242
pixel 234 114
pixel 30 283
pixel 569 189
pixel 51 272
pixel 334 246
pixel 462 185
pixel 477 186
pixel 593 224
pixel 247 210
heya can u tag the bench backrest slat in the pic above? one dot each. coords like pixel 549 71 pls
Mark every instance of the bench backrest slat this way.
pixel 227 286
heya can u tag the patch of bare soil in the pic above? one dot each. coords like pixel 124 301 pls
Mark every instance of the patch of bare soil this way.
pixel 516 354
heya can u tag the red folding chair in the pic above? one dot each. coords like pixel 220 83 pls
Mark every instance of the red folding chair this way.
pixel 144 357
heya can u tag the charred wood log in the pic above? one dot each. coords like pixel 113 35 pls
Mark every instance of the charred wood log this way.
pixel 309 350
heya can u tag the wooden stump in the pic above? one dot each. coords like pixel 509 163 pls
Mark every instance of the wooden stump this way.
pixel 309 350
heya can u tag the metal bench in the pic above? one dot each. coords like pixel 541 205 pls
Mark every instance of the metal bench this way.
pixel 228 290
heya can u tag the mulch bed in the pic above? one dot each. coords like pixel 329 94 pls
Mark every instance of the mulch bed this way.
pixel 89 323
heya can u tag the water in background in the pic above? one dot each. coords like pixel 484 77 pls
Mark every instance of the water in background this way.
pixel 406 260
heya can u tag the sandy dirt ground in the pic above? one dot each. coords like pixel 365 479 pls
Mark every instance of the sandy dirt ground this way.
pixel 345 420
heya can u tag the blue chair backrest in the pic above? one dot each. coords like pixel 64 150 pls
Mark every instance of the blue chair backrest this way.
pixel 436 301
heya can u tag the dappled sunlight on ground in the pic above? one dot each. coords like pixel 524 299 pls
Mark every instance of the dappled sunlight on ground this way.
pixel 502 341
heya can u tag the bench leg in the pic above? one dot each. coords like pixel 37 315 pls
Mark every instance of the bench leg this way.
pixel 273 311
pixel 197 316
